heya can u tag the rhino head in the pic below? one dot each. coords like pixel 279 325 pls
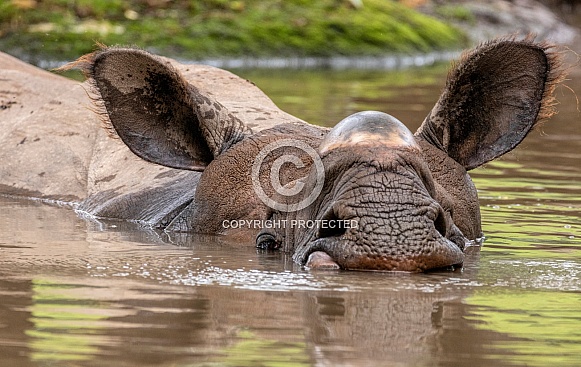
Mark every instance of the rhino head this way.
pixel 367 194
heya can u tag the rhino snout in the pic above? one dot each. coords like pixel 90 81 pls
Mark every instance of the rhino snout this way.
pixel 333 254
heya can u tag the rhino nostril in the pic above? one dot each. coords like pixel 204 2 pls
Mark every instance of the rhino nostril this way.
pixel 331 225
pixel 441 223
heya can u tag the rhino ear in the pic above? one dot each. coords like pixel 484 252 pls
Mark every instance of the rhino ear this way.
pixel 493 97
pixel 156 112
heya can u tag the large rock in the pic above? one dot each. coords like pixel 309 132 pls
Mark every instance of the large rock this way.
pixel 492 18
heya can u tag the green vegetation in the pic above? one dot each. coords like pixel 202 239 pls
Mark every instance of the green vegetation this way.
pixel 65 29
pixel 456 13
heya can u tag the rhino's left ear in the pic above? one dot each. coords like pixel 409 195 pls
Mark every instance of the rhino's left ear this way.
pixel 493 97
pixel 159 115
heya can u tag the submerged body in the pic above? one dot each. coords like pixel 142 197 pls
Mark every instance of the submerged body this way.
pixel 194 148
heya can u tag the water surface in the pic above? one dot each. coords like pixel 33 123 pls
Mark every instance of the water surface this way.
pixel 75 292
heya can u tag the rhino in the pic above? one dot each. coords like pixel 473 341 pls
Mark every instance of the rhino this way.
pixel 192 148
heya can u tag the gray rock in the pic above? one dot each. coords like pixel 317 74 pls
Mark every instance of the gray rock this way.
pixel 493 18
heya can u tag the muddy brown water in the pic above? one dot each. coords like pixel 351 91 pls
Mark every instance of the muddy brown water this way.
pixel 78 292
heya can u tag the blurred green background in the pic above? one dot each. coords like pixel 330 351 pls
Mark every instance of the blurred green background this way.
pixel 196 29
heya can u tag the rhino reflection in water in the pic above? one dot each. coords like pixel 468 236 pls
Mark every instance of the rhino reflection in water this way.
pixel 208 149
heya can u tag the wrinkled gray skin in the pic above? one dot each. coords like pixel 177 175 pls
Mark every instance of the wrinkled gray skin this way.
pixel 193 133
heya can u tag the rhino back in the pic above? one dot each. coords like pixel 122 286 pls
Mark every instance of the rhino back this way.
pixel 241 97
pixel 121 185
pixel 46 133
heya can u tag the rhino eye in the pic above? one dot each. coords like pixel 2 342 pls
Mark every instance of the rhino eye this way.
pixel 266 241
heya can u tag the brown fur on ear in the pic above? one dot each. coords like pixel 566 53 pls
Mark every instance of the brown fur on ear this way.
pixel 85 65
pixel 557 74
pixel 85 62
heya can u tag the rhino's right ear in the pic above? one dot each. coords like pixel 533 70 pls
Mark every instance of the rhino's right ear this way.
pixel 493 97
pixel 156 112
